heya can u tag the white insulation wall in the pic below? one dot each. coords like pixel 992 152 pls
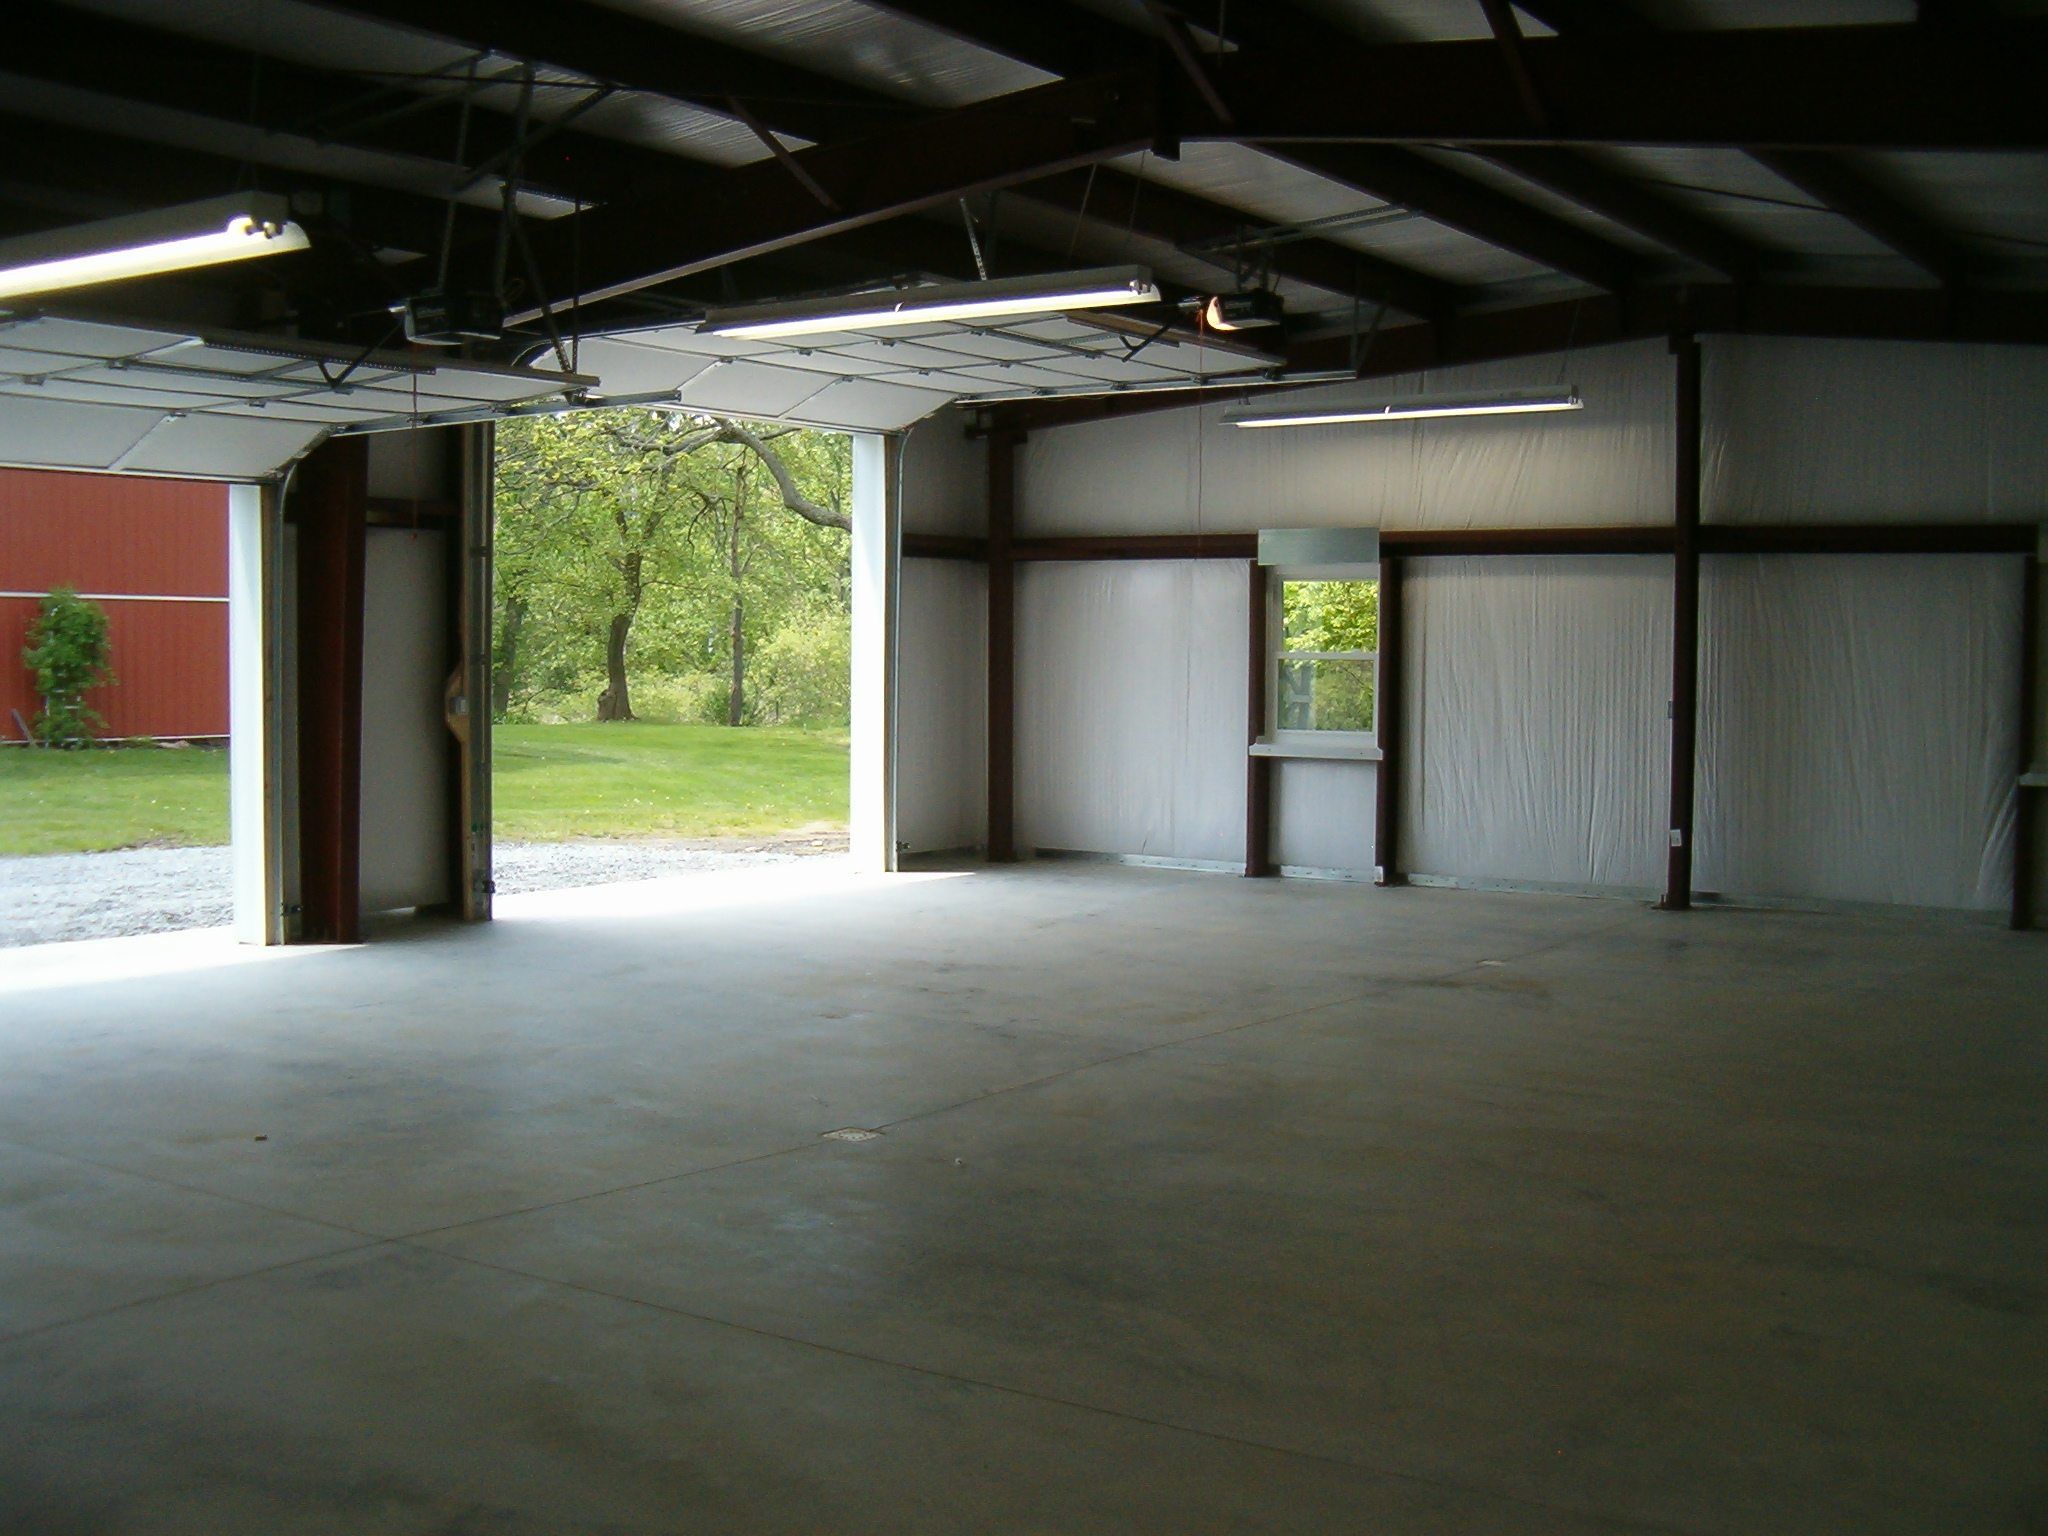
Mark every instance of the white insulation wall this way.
pixel 1130 708
pixel 1537 745
pixel 1859 727
pixel 942 681
pixel 1186 472
pixel 1858 723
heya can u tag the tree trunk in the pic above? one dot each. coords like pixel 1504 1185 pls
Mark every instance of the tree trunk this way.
pixel 616 702
pixel 505 666
pixel 736 700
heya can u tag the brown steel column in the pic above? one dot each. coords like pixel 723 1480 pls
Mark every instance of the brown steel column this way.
pixel 1386 853
pixel 1685 624
pixel 2027 802
pixel 1002 647
pixel 328 501
pixel 1258 773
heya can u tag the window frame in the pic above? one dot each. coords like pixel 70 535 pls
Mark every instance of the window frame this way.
pixel 1275 742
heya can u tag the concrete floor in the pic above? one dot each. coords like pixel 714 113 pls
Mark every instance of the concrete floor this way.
pixel 1202 1205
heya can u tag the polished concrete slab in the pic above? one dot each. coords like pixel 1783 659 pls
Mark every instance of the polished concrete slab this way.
pixel 1198 1204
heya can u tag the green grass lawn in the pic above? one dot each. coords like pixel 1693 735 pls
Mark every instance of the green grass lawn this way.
pixel 553 782
pixel 640 780
pixel 80 802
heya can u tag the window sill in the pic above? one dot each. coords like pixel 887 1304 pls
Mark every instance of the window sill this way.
pixel 2037 779
pixel 1330 751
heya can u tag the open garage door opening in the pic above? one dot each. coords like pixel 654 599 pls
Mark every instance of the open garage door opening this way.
pixel 114 779
pixel 671 645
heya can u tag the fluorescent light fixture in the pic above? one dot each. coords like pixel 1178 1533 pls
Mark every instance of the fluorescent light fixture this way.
pixel 142 245
pixel 1055 293
pixel 1500 402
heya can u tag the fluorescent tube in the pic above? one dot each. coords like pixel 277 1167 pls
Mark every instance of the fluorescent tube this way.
pixel 168 240
pixel 1099 288
pixel 1416 408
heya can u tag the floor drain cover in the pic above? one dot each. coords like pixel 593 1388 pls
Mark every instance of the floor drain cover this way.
pixel 851 1133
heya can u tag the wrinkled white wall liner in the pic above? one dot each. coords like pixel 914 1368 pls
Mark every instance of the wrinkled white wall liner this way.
pixel 1856 712
pixel 1538 743
pixel 1131 708
pixel 1873 431
pixel 1186 472
pixel 1858 727
pixel 942 708
pixel 942 716
pixel 1323 816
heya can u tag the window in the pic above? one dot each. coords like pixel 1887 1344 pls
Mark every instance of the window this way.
pixel 1324 635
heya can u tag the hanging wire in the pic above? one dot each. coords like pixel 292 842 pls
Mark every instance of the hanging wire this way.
pixel 508 194
pixel 1361 348
pixel 1137 191
pixel 1080 213
pixel 974 240
pixel 461 158
pixel 1571 337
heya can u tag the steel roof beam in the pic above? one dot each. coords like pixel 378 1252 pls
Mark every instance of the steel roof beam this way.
pixel 634 53
pixel 1507 222
pixel 1059 39
pixel 1632 206
pixel 1806 88
pixel 1168 214
pixel 760 208
pixel 150 174
pixel 638 56
pixel 1396 175
pixel 1060 34
pixel 110 56
pixel 1837 186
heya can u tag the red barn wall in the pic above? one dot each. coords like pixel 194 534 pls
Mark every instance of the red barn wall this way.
pixel 154 555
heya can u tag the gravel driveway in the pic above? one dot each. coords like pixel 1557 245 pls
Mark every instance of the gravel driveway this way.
pixel 159 890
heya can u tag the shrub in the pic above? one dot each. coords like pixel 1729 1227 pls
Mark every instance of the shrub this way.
pixel 803 674
pixel 68 651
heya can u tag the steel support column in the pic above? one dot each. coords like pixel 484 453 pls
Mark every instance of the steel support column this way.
pixel 1002 647
pixel 1685 624
pixel 1386 854
pixel 470 719
pixel 328 501
pixel 1258 776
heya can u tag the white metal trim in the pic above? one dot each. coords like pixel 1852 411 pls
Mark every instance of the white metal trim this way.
pixel 130 597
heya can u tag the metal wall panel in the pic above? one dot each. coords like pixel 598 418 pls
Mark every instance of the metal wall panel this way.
pixel 170 661
pixel 108 535
pixel 112 533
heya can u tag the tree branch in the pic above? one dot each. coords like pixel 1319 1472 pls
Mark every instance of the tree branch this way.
pixel 785 482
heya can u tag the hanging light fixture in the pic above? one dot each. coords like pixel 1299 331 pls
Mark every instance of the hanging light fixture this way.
pixel 177 239
pixel 1055 293
pixel 1509 402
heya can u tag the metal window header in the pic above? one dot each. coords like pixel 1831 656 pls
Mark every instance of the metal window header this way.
pixel 1319 546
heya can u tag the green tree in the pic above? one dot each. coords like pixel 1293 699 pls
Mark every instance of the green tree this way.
pixel 1331 615
pixel 68 651
pixel 633 539
pixel 1316 691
